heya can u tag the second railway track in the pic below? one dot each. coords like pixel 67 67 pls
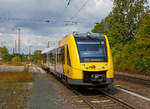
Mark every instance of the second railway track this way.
pixel 136 80
pixel 134 93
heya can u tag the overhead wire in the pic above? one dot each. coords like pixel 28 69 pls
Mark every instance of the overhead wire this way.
pixel 68 3
pixel 39 20
pixel 71 22
pixel 52 20
pixel 75 15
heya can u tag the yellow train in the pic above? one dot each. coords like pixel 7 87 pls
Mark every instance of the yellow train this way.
pixel 82 59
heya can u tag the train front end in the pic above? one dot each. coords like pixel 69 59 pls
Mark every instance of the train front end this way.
pixel 91 60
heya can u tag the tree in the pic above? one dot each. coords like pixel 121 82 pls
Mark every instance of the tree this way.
pixel 143 41
pixel 16 59
pixel 37 57
pixel 122 23
pixel 4 54
pixel 144 28
pixel 128 30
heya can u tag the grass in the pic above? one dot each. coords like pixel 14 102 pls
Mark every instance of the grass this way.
pixel 14 87
pixel 11 63
pixel 13 77
pixel 14 95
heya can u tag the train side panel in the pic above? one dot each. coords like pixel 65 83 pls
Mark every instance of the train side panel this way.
pixel 110 71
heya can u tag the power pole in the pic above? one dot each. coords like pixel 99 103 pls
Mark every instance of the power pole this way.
pixel 29 57
pixel 13 51
pixel 48 44
pixel 15 47
pixel 30 50
pixel 19 30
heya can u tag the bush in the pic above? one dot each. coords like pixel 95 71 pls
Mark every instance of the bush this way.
pixel 133 57
pixel 16 59
pixel 26 68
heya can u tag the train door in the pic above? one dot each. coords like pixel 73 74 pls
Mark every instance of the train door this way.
pixel 68 63
pixel 60 61
pixel 65 62
pixel 55 62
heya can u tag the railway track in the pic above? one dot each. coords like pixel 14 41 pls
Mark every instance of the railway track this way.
pixel 91 105
pixel 102 100
pixel 98 99
pixel 121 102
pixel 137 94
pixel 136 80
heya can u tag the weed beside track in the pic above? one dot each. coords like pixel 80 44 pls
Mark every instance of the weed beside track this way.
pixel 7 77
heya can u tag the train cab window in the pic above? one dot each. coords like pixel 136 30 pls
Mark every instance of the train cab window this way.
pixel 92 49
pixel 68 57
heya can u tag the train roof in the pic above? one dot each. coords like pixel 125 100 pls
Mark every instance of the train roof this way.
pixel 77 34
pixel 88 34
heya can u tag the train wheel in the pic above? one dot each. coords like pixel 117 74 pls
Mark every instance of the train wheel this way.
pixel 105 86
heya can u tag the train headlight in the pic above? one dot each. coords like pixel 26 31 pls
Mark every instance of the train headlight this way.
pixel 103 67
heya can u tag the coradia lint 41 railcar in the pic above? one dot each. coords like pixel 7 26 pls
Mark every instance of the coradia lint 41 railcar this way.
pixel 82 59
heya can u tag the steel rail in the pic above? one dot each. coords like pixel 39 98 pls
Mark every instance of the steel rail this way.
pixel 131 91
pixel 134 79
pixel 92 106
pixel 118 100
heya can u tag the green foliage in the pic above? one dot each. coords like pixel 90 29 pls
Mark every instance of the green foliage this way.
pixel 135 56
pixel 122 23
pixel 37 56
pixel 6 57
pixel 144 28
pixel 16 59
pixel 128 30
pixel 4 54
pixel 24 59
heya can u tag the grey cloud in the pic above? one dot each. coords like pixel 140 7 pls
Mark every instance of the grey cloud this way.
pixel 45 20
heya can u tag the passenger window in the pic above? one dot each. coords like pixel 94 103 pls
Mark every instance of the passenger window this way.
pixel 62 55
pixel 68 57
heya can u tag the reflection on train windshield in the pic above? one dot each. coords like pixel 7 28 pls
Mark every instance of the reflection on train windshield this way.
pixel 92 51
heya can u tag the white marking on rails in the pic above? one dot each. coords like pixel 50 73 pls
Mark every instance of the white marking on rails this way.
pixel 132 93
pixel 79 101
pixel 97 101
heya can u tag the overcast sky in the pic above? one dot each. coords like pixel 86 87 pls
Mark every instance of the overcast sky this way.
pixel 47 20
